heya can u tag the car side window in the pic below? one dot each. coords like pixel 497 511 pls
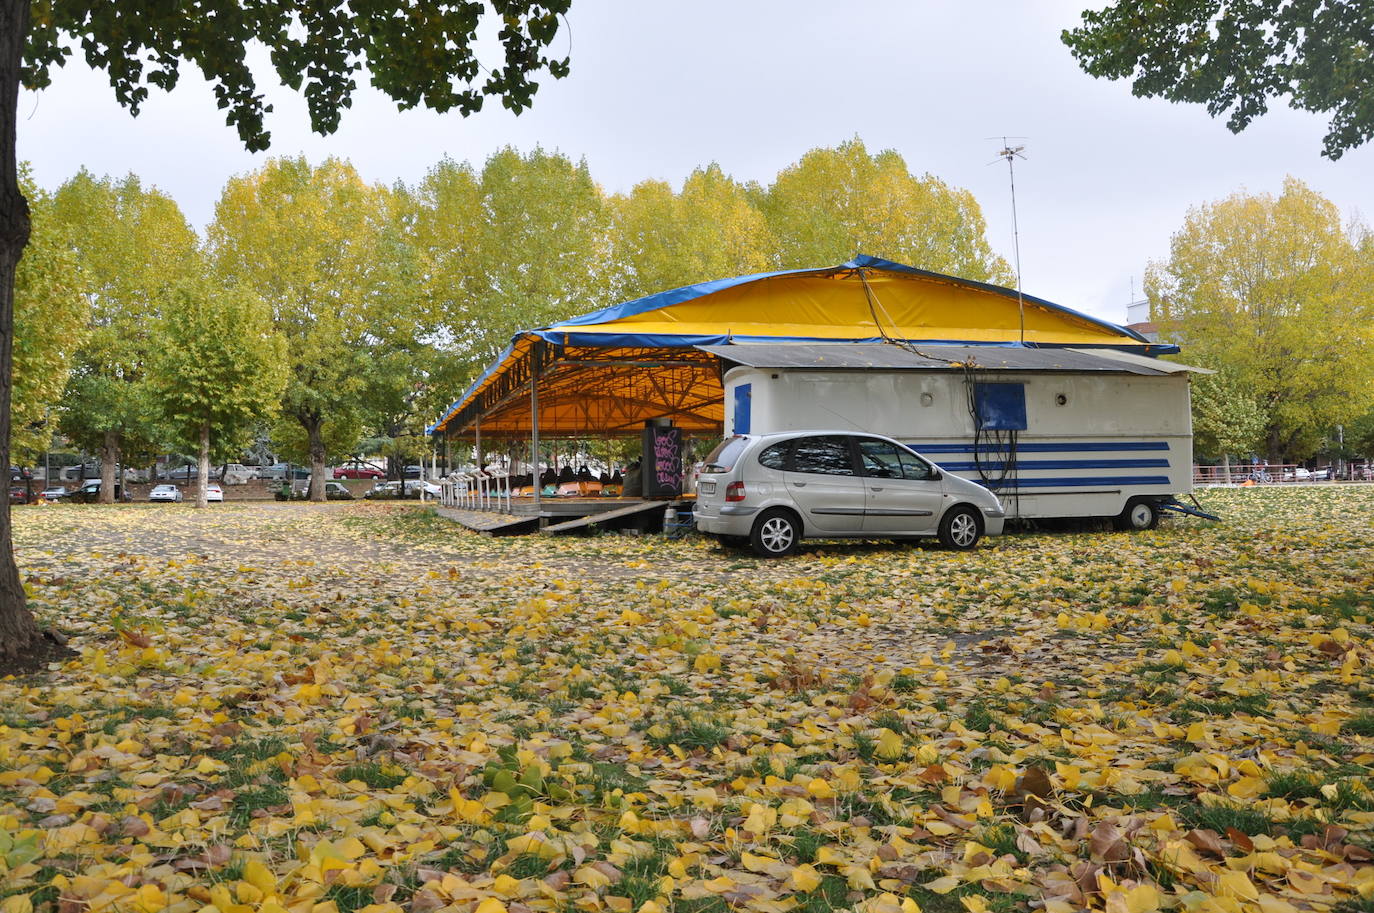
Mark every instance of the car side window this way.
pixel 822 455
pixel 913 467
pixel 775 456
pixel 884 460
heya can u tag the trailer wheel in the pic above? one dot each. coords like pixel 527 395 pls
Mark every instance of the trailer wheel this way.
pixel 1139 514
pixel 961 528
pixel 776 533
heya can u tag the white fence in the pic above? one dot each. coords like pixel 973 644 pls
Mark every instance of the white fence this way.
pixel 476 491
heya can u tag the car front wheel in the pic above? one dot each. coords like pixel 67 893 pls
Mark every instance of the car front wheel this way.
pixel 961 528
pixel 776 533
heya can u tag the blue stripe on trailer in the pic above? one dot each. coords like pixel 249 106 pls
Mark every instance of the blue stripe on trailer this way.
pixel 1068 447
pixel 1056 464
pixel 1076 482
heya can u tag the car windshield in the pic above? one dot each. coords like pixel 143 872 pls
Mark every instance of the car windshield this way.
pixel 726 453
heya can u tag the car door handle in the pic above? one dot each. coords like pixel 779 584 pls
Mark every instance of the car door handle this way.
pixel 799 484
pixel 876 488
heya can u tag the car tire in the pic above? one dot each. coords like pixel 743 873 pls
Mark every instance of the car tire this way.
pixel 960 528
pixel 776 533
pixel 1139 514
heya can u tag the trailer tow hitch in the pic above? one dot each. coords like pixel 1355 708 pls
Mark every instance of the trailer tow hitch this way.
pixel 1195 511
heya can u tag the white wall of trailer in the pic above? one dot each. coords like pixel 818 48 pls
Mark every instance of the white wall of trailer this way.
pixel 1092 440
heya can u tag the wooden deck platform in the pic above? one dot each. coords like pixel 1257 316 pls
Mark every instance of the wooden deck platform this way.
pixel 561 516
pixel 489 523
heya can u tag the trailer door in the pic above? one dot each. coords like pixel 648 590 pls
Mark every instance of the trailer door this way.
pixel 901 495
pixel 824 484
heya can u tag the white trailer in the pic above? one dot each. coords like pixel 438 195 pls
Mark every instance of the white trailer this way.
pixel 1054 432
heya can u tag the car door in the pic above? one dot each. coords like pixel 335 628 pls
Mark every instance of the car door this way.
pixel 902 492
pixel 822 482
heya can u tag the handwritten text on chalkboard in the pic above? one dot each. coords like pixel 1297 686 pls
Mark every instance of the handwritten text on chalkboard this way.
pixel 667 462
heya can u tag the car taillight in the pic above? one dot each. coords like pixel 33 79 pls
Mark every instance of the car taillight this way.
pixel 734 491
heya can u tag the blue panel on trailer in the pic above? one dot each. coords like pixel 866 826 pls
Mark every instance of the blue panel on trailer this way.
pixel 744 394
pixel 1000 407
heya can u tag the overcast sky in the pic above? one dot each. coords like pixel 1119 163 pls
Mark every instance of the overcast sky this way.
pixel 658 88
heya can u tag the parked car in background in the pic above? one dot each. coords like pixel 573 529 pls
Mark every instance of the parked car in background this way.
pixel 54 493
pixel 278 472
pixel 395 491
pixel 237 474
pixel 299 490
pixel 165 493
pixel 213 492
pixel 18 494
pixel 770 491
pixel 357 469
pixel 89 493
pixel 413 472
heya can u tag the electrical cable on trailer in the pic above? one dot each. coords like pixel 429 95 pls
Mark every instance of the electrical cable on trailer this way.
pixel 1006 448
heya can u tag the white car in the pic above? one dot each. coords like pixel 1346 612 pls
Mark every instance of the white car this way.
pixel 165 493
pixel 213 492
pixel 770 491
pixel 53 493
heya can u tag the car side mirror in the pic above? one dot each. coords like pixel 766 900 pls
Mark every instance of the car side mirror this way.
pixel 936 476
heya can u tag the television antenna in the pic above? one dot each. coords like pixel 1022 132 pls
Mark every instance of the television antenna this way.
pixel 1011 153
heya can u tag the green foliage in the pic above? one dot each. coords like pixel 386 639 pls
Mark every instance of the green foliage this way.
pixel 218 367
pixel 1227 416
pixel 318 49
pixel 518 246
pixel 132 245
pixel 1277 294
pixel 314 243
pixel 50 322
pixel 665 240
pixel 1234 57
pixel 835 203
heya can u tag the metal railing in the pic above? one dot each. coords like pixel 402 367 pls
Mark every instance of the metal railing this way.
pixel 476 491
pixel 1278 473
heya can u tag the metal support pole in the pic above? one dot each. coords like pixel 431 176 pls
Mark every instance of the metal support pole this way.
pixel 477 431
pixel 535 353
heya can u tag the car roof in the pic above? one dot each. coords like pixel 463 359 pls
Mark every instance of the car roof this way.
pixel 807 432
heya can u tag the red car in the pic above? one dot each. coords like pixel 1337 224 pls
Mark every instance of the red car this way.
pixel 18 495
pixel 358 471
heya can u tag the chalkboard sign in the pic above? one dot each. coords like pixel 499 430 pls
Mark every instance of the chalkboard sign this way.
pixel 662 464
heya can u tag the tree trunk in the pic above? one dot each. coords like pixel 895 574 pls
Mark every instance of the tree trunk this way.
pixel 203 465
pixel 109 458
pixel 1226 467
pixel 18 630
pixel 317 479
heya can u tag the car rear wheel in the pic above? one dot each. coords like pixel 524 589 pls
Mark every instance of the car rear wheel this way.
pixel 1138 515
pixel 960 528
pixel 776 533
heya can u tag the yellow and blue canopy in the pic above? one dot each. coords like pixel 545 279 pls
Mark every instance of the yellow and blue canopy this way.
pixel 606 372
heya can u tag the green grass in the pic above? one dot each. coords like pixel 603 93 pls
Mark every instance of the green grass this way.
pixel 692 732
pixel 1220 817
pixel 1362 724
pixel 1292 784
pixel 373 774
pixel 979 718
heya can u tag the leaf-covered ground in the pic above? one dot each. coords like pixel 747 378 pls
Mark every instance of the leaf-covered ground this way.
pixel 360 707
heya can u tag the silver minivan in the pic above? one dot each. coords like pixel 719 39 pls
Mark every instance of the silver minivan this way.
pixel 770 491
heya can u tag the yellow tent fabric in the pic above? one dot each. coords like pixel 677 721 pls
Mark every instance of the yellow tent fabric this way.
pixel 606 372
